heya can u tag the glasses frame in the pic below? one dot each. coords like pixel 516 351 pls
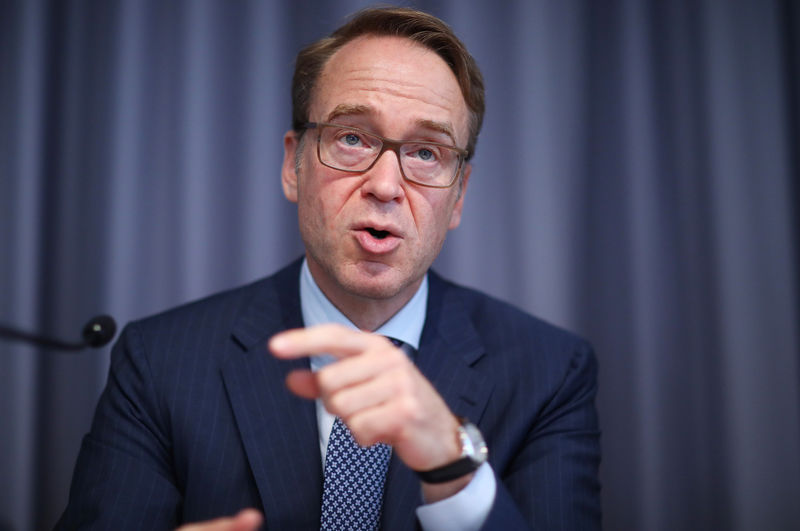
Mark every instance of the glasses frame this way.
pixel 387 144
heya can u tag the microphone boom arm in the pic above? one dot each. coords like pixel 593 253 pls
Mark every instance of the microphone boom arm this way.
pixel 97 332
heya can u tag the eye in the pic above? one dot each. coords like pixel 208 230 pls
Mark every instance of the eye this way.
pixel 351 139
pixel 425 154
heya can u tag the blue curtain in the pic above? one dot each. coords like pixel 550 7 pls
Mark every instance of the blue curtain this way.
pixel 637 180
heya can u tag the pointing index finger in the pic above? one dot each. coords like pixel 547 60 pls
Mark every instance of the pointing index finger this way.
pixel 337 340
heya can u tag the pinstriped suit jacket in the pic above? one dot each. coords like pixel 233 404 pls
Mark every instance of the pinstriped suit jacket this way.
pixel 196 422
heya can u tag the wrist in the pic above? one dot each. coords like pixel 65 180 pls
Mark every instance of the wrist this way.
pixel 473 453
pixel 434 492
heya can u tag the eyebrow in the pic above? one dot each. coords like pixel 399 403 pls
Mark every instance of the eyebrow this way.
pixel 346 109
pixel 441 127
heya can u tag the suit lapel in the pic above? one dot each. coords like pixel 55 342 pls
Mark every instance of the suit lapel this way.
pixel 279 431
pixel 449 348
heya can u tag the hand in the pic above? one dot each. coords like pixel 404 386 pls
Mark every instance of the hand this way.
pixel 376 390
pixel 245 520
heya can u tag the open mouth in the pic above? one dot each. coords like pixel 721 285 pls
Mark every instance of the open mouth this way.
pixel 378 234
pixel 376 239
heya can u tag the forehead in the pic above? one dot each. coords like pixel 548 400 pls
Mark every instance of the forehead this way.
pixel 394 84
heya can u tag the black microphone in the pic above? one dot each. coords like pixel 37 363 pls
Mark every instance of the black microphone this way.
pixel 97 332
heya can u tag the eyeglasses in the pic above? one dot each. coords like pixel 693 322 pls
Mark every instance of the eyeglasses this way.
pixel 354 150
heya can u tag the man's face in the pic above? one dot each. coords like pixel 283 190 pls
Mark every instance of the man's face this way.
pixel 398 89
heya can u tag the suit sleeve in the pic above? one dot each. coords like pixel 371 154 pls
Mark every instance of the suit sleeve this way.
pixel 123 476
pixel 552 480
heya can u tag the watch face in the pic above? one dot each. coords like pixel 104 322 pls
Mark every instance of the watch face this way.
pixel 473 455
pixel 472 443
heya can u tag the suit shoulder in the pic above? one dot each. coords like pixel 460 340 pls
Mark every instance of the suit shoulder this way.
pixel 224 305
pixel 215 326
pixel 501 322
pixel 521 353
pixel 219 302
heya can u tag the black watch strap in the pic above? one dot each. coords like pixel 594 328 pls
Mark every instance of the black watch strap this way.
pixel 446 473
pixel 473 455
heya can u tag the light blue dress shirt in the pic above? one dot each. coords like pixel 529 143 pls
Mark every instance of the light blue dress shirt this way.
pixel 467 509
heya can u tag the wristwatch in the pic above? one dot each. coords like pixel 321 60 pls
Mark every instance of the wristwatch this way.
pixel 473 454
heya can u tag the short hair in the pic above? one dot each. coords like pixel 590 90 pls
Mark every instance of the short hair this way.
pixel 417 26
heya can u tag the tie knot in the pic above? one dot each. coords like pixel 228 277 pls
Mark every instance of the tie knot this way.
pixel 395 342
pixel 402 345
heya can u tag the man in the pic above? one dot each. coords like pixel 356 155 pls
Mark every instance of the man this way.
pixel 199 422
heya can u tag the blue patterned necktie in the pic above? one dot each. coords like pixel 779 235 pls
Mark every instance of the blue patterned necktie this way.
pixel 352 494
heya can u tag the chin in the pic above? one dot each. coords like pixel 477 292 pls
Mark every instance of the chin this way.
pixel 373 282
pixel 373 288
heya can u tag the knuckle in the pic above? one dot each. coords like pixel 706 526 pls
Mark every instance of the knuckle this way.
pixel 360 431
pixel 334 405
pixel 362 439
pixel 325 379
pixel 403 383
pixel 407 407
pixel 395 361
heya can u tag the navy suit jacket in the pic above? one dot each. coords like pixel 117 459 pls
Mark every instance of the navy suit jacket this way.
pixel 196 421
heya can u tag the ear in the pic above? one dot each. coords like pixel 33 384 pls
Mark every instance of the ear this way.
pixel 288 169
pixel 455 215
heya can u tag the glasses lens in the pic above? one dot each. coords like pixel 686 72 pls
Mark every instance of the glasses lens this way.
pixel 429 163
pixel 348 149
pixel 355 150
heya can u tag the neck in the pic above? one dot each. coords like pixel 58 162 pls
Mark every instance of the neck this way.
pixel 367 313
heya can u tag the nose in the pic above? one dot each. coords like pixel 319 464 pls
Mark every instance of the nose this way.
pixel 384 180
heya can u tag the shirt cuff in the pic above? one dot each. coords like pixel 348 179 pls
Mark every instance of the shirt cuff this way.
pixel 466 510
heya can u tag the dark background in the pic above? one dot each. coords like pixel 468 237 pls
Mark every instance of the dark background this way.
pixel 636 181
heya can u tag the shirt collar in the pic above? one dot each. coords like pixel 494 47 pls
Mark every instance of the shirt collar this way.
pixel 406 325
